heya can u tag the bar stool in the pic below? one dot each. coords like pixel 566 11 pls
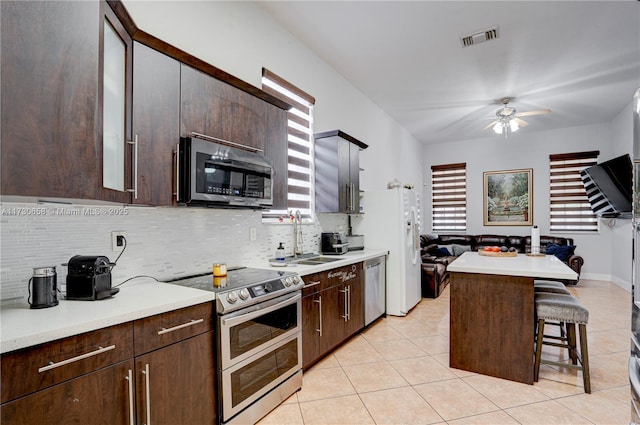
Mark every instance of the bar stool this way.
pixel 551 286
pixel 565 309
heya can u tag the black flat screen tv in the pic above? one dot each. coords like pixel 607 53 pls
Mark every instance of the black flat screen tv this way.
pixel 609 187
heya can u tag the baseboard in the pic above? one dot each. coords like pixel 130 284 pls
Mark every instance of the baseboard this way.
pixel 607 278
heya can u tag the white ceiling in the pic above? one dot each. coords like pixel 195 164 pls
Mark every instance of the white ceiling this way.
pixel 581 59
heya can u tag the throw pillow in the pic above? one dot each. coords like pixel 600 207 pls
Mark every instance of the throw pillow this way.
pixel 563 252
pixel 458 250
pixel 439 252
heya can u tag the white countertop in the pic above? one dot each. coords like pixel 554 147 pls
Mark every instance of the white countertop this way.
pixel 22 327
pixel 340 260
pixel 547 266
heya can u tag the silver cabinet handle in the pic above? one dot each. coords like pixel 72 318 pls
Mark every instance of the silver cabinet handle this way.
pixel 349 293
pixel 147 392
pixel 132 418
pixel 319 301
pixel 53 365
pixel 349 198
pixel 184 325
pixel 135 167
pixel 178 173
pixel 345 316
pixel 313 283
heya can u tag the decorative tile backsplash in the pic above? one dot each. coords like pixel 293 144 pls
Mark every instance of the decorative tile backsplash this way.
pixel 161 242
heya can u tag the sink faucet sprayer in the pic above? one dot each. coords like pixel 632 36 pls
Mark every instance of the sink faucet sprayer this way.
pixel 297 234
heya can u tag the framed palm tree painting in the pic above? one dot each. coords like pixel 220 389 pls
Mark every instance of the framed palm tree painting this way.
pixel 508 198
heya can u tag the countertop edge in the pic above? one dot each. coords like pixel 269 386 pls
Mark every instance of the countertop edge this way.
pixel 13 318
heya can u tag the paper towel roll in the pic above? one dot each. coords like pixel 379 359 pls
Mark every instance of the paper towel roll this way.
pixel 535 240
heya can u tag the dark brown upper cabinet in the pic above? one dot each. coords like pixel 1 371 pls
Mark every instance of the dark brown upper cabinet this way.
pixel 212 107
pixel 337 164
pixel 156 125
pixel 216 109
pixel 52 100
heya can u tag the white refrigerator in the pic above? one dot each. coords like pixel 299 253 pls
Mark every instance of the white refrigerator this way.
pixel 391 221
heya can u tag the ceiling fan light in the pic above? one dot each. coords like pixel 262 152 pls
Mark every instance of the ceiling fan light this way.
pixel 498 128
pixel 513 125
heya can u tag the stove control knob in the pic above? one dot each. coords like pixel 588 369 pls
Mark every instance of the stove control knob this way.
pixel 232 297
pixel 244 294
pixel 288 281
pixel 297 280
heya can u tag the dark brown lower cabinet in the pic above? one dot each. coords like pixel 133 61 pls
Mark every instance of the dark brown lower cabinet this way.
pixel 332 310
pixel 100 378
pixel 99 398
pixel 176 384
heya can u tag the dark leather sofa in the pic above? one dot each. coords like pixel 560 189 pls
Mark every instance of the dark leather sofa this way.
pixel 434 274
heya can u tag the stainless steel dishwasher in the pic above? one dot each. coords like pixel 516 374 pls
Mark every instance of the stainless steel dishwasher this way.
pixel 375 289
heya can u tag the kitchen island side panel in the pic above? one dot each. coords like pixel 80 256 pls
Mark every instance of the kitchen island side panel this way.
pixel 492 325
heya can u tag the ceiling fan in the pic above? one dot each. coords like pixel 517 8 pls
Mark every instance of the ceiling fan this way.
pixel 509 120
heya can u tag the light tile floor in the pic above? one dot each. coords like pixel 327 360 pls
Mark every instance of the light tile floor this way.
pixel 396 372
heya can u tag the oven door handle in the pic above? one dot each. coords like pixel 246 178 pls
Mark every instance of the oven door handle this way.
pixel 260 311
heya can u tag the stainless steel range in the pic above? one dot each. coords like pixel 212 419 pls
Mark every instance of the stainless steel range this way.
pixel 259 339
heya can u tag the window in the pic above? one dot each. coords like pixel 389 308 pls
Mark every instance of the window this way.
pixel 300 139
pixel 449 197
pixel 570 210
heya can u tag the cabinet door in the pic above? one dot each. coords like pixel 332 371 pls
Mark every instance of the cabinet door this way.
pixel 332 318
pixel 311 306
pixel 51 87
pixel 356 302
pixel 100 398
pixel 156 124
pixel 354 177
pixel 176 384
pixel 214 108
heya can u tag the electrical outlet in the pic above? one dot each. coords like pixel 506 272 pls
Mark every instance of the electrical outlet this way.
pixel 117 242
pixel 252 234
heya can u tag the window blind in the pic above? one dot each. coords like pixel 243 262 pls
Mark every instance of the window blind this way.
pixel 449 197
pixel 300 144
pixel 570 210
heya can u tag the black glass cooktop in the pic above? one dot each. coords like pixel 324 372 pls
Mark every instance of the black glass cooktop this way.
pixel 236 278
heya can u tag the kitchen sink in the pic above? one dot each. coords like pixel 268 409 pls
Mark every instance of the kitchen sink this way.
pixel 313 261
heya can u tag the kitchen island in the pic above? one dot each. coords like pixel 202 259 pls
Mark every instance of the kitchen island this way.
pixel 492 312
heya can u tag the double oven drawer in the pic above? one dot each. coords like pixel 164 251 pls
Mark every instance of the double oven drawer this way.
pixel 259 348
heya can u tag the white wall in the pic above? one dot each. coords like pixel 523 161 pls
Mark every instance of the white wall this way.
pixel 622 233
pixel 522 150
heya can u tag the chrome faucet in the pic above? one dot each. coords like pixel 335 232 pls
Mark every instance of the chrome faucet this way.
pixel 297 234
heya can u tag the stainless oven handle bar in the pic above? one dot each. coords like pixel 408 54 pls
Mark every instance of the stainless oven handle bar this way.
pixel 129 377
pixel 184 325
pixel 53 365
pixel 260 312
pixel 319 301
pixel 226 142
pixel 147 390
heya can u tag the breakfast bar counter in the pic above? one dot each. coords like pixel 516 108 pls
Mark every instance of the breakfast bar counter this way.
pixel 492 312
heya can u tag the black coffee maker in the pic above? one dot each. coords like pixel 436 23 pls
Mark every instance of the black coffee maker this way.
pixel 89 278
pixel 43 287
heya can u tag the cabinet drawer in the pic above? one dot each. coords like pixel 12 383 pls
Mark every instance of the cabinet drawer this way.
pixel 31 369
pixel 167 328
pixel 312 284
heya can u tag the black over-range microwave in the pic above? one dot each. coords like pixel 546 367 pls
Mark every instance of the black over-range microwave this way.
pixel 219 175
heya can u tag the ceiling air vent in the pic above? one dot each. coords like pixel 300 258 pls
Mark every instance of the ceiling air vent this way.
pixel 479 37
